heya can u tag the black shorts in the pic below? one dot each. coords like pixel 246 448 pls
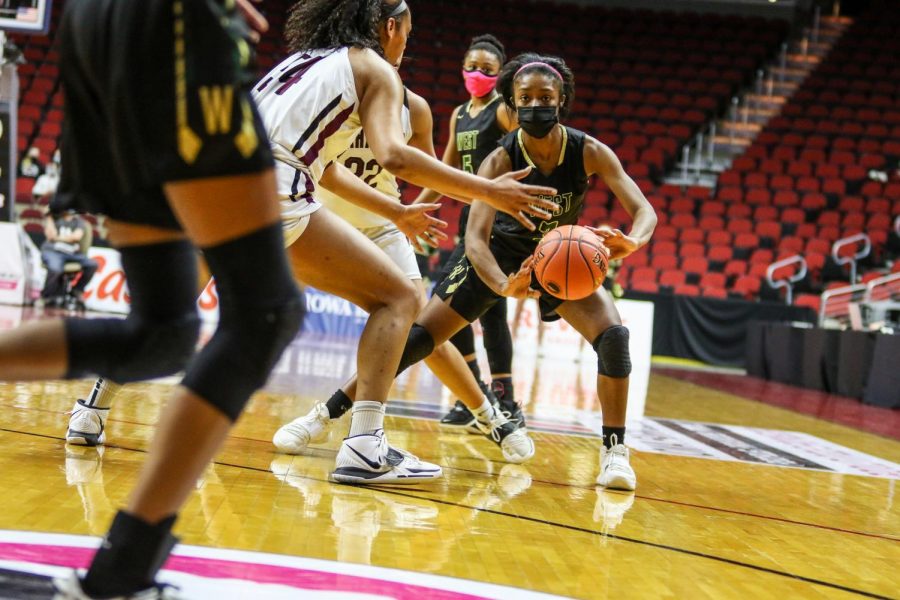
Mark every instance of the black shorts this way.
pixel 471 297
pixel 155 91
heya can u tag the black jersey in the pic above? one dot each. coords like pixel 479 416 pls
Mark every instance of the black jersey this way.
pixel 477 136
pixel 510 242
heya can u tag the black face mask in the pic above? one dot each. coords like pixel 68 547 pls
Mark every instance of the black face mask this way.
pixel 538 121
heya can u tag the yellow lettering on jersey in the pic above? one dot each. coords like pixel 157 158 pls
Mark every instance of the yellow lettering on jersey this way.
pixel 457 271
pixel 466 141
pixel 246 141
pixel 216 102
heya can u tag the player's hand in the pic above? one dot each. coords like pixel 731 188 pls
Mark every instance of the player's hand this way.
pixel 520 200
pixel 414 221
pixel 518 284
pixel 617 243
pixel 258 23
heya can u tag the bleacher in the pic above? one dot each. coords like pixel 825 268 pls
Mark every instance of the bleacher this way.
pixel 646 83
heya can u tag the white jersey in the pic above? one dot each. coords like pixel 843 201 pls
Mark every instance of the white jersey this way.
pixel 309 107
pixel 360 159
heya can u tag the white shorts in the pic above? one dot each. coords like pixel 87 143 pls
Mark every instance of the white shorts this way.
pixel 396 246
pixel 293 226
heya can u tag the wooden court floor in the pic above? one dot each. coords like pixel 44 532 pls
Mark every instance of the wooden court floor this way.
pixel 695 528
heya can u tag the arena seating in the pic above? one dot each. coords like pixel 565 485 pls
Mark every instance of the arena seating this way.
pixel 647 81
pixel 804 183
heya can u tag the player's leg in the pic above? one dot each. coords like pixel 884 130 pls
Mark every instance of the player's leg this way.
pixel 332 256
pixel 499 347
pixel 598 321
pixel 458 301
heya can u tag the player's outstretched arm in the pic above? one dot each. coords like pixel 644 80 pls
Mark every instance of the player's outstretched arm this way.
pixel 380 93
pixel 600 159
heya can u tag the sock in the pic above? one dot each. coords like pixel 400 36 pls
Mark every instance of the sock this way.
pixel 484 413
pixel 102 395
pixel 503 389
pixel 367 417
pixel 609 432
pixel 130 557
pixel 338 404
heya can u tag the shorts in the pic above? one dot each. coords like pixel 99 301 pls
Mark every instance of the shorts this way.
pixel 293 226
pixel 156 91
pixel 397 247
pixel 470 297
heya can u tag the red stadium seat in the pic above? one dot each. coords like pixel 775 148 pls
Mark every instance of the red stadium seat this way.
pixel 695 264
pixel 672 278
pixel 719 238
pixel 736 267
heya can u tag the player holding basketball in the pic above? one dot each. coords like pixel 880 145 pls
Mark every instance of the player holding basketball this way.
pixel 541 89
pixel 315 105
pixel 475 128
pixel 144 144
pixel 498 259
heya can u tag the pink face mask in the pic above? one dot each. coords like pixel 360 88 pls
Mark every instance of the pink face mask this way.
pixel 478 84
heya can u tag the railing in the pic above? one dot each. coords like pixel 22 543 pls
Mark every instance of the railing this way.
pixel 836 302
pixel 852 259
pixel 883 288
pixel 789 281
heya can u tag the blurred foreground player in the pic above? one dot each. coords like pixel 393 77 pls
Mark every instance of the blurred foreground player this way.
pixel 162 137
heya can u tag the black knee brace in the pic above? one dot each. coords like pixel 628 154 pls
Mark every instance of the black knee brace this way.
pixel 261 311
pixel 419 346
pixel 613 357
pixel 159 335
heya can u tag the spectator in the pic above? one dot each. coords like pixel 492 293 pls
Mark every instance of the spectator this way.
pixel 68 240
pixel 31 166
pixel 47 183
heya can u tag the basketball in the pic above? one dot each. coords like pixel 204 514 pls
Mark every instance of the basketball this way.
pixel 569 262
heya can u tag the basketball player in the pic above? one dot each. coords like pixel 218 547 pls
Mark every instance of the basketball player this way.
pixel 314 105
pixel 475 128
pixel 87 423
pixel 162 137
pixel 498 260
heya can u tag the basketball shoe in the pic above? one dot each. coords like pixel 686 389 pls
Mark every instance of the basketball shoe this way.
pixel 367 459
pixel 87 425
pixel 69 588
pixel 311 428
pixel 615 470
pixel 515 444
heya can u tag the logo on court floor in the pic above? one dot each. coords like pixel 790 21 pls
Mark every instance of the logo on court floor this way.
pixel 29 561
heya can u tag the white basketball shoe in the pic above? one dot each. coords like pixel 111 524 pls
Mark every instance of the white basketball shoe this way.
pixel 87 425
pixel 368 459
pixel 515 444
pixel 615 470
pixel 69 588
pixel 312 428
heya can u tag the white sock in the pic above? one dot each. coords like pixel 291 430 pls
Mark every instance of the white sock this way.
pixel 366 417
pixel 485 412
pixel 103 394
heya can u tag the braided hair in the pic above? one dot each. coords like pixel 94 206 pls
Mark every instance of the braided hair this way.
pixel 327 24
pixel 542 64
pixel 489 43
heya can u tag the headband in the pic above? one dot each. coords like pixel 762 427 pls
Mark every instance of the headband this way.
pixel 538 64
pixel 397 10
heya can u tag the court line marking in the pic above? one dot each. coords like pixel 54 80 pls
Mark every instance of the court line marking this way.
pixel 392 491
pixel 878 536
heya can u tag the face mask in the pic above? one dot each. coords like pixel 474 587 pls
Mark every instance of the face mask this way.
pixel 538 121
pixel 478 84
